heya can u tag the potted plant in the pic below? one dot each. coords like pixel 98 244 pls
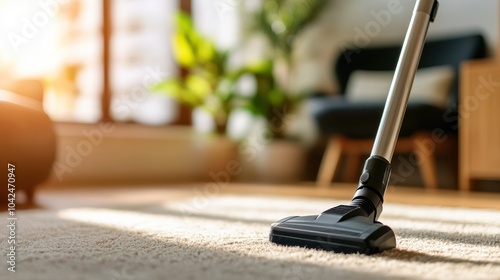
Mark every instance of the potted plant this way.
pixel 207 84
pixel 267 154
pixel 212 86
pixel 277 157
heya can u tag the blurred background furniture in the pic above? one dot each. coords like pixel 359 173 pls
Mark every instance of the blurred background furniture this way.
pixel 350 122
pixel 479 127
pixel 28 140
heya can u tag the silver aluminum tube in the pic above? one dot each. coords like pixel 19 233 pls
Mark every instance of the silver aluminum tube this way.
pixel 399 93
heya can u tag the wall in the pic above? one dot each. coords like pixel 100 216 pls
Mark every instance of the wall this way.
pixel 344 21
pixel 454 16
pixel 92 154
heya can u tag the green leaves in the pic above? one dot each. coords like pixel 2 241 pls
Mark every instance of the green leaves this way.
pixel 202 86
pixel 268 95
pixel 211 85
pixel 205 51
pixel 190 48
pixel 198 87
pixel 282 20
pixel 183 51
pixel 193 91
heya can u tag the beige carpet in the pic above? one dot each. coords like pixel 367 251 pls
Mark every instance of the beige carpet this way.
pixel 226 237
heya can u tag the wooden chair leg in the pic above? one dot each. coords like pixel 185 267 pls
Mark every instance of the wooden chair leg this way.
pixel 451 153
pixel 428 168
pixel 330 162
pixel 352 168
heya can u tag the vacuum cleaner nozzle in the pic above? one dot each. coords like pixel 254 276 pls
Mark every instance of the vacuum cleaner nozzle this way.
pixel 342 229
pixel 346 228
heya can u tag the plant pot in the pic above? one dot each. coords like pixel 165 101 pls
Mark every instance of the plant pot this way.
pixel 219 156
pixel 278 162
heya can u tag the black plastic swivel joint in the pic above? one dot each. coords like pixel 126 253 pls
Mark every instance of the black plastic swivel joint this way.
pixel 373 182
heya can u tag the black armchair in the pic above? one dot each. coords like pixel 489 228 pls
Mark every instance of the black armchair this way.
pixel 351 126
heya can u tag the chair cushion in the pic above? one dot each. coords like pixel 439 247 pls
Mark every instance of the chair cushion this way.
pixel 361 119
pixel 431 85
pixel 437 52
pixel 337 116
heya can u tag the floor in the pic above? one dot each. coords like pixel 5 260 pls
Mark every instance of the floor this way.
pixel 59 197
pixel 222 232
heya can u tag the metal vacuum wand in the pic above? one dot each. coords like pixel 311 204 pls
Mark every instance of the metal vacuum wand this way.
pixel 399 93
pixel 376 172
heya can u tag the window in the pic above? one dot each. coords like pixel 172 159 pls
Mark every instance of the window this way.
pixel 219 20
pixel 141 56
pixel 62 43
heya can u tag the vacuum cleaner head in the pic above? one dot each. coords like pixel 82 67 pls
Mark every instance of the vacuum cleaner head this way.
pixel 342 229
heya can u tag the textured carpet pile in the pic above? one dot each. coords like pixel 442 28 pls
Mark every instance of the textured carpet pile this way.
pixel 226 237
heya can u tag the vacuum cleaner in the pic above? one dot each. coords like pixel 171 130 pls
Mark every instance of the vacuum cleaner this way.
pixel 354 228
